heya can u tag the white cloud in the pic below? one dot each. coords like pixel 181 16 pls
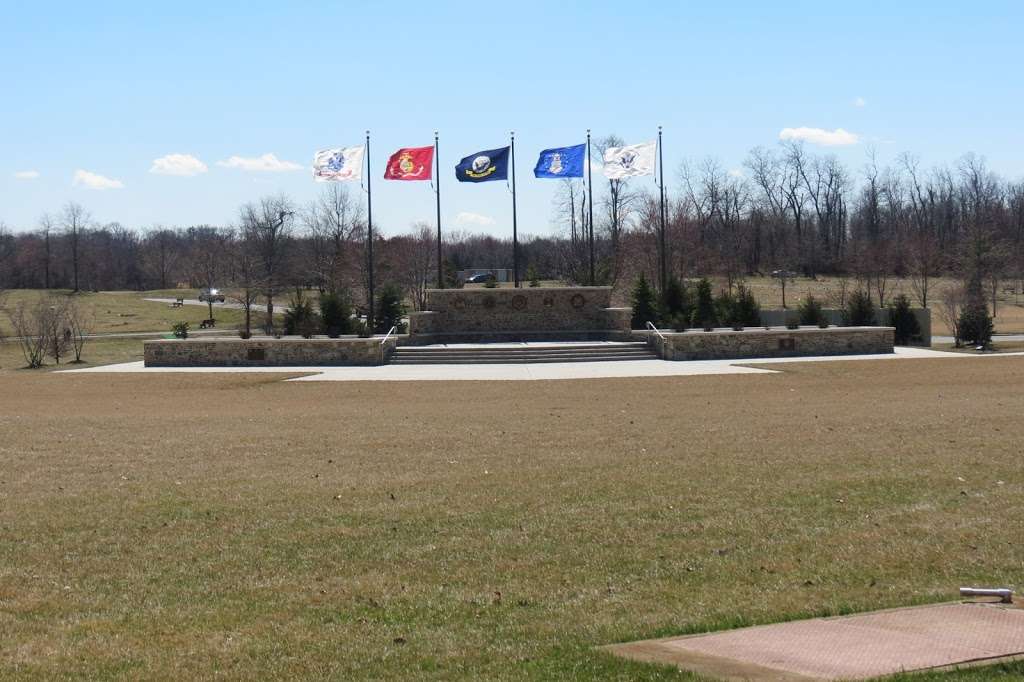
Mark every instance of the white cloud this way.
pixel 466 219
pixel 267 163
pixel 95 181
pixel 736 173
pixel 826 138
pixel 184 165
pixel 860 102
pixel 27 175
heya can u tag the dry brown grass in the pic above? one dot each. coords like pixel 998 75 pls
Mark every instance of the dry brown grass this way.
pixel 234 526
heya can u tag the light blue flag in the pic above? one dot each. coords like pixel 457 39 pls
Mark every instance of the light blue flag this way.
pixel 561 162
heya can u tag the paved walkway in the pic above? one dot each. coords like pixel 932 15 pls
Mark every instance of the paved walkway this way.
pixel 856 647
pixel 527 372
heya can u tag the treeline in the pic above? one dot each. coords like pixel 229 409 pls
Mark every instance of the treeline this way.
pixel 785 210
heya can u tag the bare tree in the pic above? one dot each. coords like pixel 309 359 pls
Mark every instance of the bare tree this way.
pixel 32 325
pixel 161 251
pixel 951 303
pixel 75 220
pixel 246 281
pixel 208 251
pixel 80 322
pixel 267 228
pixel 414 258
pixel 333 221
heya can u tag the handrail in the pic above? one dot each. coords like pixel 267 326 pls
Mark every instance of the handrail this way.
pixel 384 341
pixel 657 331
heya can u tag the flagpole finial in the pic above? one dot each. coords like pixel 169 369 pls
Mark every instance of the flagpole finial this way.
pixel 659 129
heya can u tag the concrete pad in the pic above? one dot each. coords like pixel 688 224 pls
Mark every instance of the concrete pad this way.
pixel 855 647
pixel 535 372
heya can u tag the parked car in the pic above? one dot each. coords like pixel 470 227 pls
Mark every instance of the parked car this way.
pixel 211 296
pixel 481 278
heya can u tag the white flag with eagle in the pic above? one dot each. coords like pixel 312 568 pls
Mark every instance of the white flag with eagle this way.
pixel 628 161
pixel 340 163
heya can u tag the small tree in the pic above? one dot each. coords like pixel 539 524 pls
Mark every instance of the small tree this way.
pixel 811 312
pixel 643 303
pixel 859 310
pixel 903 319
pixel 704 313
pixel 975 324
pixel 335 315
pixel 80 323
pixel 745 310
pixel 951 302
pixel 390 309
pixel 58 333
pixel 32 330
pixel 676 308
pixel 533 276
pixel 300 318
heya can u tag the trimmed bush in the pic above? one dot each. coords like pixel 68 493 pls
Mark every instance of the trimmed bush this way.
pixel 675 304
pixel 903 319
pixel 859 310
pixel 390 309
pixel 644 309
pixel 300 318
pixel 975 323
pixel 335 315
pixel 180 329
pixel 811 312
pixel 704 312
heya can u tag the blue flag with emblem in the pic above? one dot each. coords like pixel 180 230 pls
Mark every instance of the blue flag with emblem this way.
pixel 561 162
pixel 490 164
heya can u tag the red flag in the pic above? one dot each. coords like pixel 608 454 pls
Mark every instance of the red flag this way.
pixel 411 163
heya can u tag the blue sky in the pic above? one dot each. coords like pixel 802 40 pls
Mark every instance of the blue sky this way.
pixel 107 88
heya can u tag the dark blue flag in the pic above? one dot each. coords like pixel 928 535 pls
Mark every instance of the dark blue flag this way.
pixel 490 164
pixel 561 162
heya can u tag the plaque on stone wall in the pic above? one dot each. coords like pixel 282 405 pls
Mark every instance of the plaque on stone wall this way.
pixel 518 302
pixel 577 301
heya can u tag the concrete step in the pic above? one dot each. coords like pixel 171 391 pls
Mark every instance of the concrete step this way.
pixel 414 355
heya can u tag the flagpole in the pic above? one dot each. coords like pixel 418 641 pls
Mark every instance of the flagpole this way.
pixel 437 191
pixel 663 260
pixel 515 235
pixel 369 235
pixel 590 206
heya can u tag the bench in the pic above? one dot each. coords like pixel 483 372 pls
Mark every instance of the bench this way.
pixel 178 302
pixel 207 324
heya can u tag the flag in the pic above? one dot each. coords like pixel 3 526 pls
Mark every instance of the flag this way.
pixel 561 162
pixel 411 163
pixel 625 162
pixel 490 164
pixel 331 165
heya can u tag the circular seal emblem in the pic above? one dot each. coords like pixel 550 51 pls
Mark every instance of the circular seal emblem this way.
pixel 577 301
pixel 481 163
pixel 489 302
pixel 519 302
pixel 549 301
pixel 458 302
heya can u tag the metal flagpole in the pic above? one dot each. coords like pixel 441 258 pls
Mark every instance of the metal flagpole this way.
pixel 515 234
pixel 437 191
pixel 663 262
pixel 369 236
pixel 590 206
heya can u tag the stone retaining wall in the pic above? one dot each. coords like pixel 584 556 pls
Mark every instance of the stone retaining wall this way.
pixel 726 344
pixel 776 317
pixel 291 352
pixel 527 313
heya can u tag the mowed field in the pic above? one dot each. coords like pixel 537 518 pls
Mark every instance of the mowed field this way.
pixel 200 526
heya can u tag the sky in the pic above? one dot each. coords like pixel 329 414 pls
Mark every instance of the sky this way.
pixel 175 114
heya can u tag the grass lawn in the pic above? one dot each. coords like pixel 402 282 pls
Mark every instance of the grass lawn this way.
pixel 1009 311
pixel 234 526
pixel 127 311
